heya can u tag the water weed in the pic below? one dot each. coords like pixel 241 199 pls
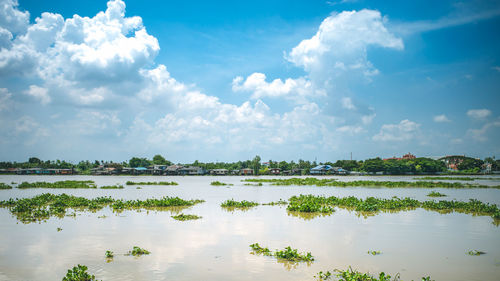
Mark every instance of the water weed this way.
pixel 475 253
pixel 152 183
pixel 183 217
pixel 112 186
pixel 374 253
pixel 436 194
pixel 369 183
pixel 238 204
pixel 58 184
pixel 59 229
pixel 218 183
pixel 287 254
pixel 137 251
pixel 78 273
pixel 109 254
pixel 279 202
pixel 5 186
pixel 354 275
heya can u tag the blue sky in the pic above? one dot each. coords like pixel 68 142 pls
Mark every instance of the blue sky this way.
pixel 228 80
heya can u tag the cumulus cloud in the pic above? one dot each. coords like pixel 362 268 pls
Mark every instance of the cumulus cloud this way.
pixel 441 119
pixel 39 93
pixel 341 43
pixel 405 130
pixel 481 134
pixel 4 99
pixel 11 18
pixel 478 114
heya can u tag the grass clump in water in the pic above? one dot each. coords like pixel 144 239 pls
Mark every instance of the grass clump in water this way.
pixel 475 253
pixel 109 254
pixel 238 204
pixel 254 184
pixel 218 183
pixel 288 253
pixel 446 178
pixel 137 251
pixel 374 253
pixel 369 183
pixel 152 183
pixel 112 186
pixel 436 194
pixel 183 217
pixel 78 273
pixel 5 186
pixel 279 202
pixel 354 275
pixel 58 184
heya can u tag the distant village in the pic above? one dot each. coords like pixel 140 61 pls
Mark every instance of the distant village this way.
pixel 407 164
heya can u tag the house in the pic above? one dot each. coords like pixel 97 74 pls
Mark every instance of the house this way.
pixel 339 171
pixel 275 171
pixel 173 169
pixel 158 169
pixel 192 171
pixel 320 169
pixel 219 172
pixel 246 172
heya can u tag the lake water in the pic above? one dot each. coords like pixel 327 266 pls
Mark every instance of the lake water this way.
pixel 413 243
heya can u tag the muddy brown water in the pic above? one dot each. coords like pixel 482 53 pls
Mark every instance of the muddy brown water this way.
pixel 413 243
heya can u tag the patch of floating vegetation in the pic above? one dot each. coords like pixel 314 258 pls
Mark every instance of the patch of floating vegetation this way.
pixel 475 253
pixel 374 253
pixel 43 206
pixel 152 183
pixel 112 186
pixel 436 194
pixel 59 229
pixel 218 183
pixel 78 273
pixel 58 184
pixel 312 203
pixel 137 251
pixel 458 178
pixel 369 183
pixel 5 186
pixel 288 253
pixel 279 202
pixel 254 184
pixel 230 203
pixel 183 217
pixel 109 254
pixel 354 275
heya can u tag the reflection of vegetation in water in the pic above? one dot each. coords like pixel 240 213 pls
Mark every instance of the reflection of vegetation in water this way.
pixel 436 194
pixel 307 216
pixel 311 203
pixel 218 183
pixel 368 183
pixel 288 254
pixel 5 186
pixel 475 253
pixel 230 203
pixel 152 183
pixel 183 217
pixel 112 186
pixel 78 273
pixel 43 206
pixel 58 184
pixel 354 275
pixel 137 251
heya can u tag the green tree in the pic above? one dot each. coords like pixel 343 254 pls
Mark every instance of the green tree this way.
pixel 373 165
pixel 256 164
pixel 160 160
pixel 135 162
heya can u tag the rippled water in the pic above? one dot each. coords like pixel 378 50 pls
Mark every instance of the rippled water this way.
pixel 414 243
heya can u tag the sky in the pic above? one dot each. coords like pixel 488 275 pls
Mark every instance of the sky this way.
pixel 228 80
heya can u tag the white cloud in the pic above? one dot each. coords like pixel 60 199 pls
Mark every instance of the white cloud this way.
pixel 11 18
pixel 441 119
pixel 39 93
pixel 481 133
pixel 341 43
pixel 497 68
pixel 347 103
pixel 405 130
pixel 5 99
pixel 293 89
pixel 478 114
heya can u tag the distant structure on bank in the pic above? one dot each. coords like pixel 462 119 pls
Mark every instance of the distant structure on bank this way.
pixel 407 156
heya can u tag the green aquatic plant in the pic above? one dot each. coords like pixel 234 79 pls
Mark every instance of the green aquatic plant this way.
pixel 230 203
pixel 59 229
pixel 446 178
pixel 137 251
pixel 354 275
pixel 279 202
pixel 5 186
pixel 287 254
pixel 43 206
pixel 109 254
pixel 436 194
pixel 475 253
pixel 253 184
pixel 152 183
pixel 369 183
pixel 374 253
pixel 78 273
pixel 58 184
pixel 218 183
pixel 112 186
pixel 312 203
pixel 183 217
